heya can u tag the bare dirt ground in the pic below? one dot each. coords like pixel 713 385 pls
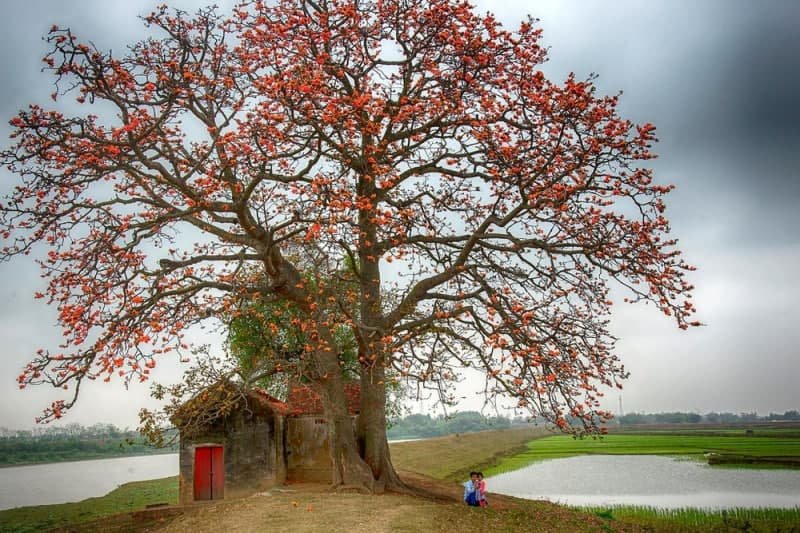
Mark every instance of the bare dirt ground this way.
pixel 307 508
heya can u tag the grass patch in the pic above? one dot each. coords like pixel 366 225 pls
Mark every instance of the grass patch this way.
pixel 452 457
pixel 125 498
pixel 738 519
pixel 691 446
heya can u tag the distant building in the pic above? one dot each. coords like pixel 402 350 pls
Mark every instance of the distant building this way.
pixel 246 442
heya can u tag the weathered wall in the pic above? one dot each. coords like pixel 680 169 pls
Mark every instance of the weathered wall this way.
pixel 250 461
pixel 253 455
pixel 307 451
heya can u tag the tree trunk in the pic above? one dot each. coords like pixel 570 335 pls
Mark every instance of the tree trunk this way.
pixel 348 468
pixel 372 438
pixel 374 446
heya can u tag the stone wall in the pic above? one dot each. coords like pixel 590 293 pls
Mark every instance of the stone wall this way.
pixel 308 455
pixel 307 450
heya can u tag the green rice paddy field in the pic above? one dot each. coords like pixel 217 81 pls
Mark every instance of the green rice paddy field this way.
pixel 738 519
pixel 773 443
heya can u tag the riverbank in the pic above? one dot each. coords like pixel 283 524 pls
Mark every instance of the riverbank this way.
pixel 127 498
pixel 72 458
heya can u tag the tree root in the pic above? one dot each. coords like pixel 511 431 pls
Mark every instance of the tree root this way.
pixel 417 485
pixel 357 489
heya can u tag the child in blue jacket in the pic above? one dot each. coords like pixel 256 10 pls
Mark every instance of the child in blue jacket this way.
pixel 471 490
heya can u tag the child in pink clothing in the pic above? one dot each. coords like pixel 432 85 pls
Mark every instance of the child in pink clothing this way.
pixel 482 501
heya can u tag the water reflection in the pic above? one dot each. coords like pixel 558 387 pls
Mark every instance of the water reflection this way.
pixel 663 482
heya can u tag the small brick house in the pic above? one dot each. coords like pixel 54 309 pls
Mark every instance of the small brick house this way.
pixel 257 442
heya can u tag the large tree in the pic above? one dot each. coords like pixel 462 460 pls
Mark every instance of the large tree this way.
pixel 413 138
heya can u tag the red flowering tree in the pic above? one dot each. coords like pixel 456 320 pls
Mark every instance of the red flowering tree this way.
pixel 414 139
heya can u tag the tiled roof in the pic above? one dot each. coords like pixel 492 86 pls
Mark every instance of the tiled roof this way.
pixel 265 401
pixel 224 398
pixel 303 400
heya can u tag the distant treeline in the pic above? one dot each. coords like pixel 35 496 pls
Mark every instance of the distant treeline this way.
pixel 633 419
pixel 422 426
pixel 69 443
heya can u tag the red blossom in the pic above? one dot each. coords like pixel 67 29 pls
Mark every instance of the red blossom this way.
pixel 413 132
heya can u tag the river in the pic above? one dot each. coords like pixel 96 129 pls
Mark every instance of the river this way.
pixel 77 480
pixel 649 480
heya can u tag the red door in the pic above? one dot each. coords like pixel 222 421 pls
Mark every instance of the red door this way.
pixel 209 473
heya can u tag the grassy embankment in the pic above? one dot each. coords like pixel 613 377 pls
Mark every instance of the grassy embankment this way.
pixel 312 508
pixel 126 498
pixel 451 457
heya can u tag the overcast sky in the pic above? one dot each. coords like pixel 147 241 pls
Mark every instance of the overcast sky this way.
pixel 720 79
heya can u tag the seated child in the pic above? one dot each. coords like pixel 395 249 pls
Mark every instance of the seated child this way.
pixel 481 490
pixel 471 493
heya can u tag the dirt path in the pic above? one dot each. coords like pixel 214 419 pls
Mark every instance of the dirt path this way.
pixel 313 508
pixel 307 508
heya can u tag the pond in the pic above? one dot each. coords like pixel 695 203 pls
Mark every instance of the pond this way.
pixel 77 480
pixel 648 480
